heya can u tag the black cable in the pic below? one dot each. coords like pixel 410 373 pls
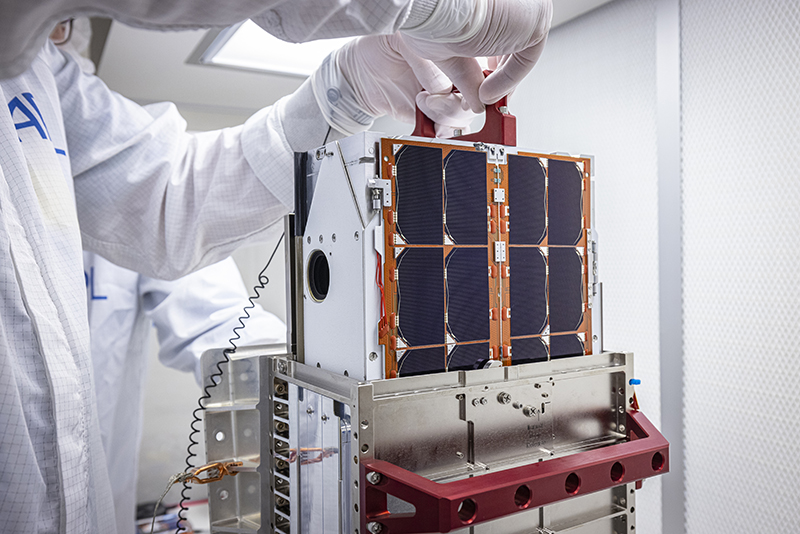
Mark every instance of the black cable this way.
pixel 325 142
pixel 216 377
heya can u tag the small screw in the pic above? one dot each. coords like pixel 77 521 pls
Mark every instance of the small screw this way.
pixel 373 477
pixel 373 356
pixel 503 397
pixel 355 235
pixel 320 239
pixel 460 454
pixel 622 501
pixel 475 401
pixel 622 428
pixel 324 417
pixel 282 367
pixel 504 110
pixel 529 411
pixel 333 238
pixel 309 410
pixel 374 527
pixel 484 401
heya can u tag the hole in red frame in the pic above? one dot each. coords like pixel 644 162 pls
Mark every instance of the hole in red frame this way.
pixel 658 462
pixel 522 497
pixel 617 471
pixel 573 483
pixel 467 510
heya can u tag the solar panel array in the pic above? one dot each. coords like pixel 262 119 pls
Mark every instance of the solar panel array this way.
pixel 451 302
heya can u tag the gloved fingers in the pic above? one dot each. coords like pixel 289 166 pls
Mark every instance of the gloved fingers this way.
pixel 510 73
pixel 429 75
pixel 467 75
pixel 445 109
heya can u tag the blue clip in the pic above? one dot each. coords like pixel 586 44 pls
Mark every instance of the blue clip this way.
pixel 634 381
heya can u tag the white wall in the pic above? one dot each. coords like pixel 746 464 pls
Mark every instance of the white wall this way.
pixel 594 92
pixel 741 264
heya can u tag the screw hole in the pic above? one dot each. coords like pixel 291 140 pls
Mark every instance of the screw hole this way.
pixel 522 497
pixel 617 472
pixel 572 484
pixel 467 511
pixel 365 448
pixel 658 462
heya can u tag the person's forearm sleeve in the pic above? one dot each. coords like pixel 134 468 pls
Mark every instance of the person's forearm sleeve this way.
pixel 157 200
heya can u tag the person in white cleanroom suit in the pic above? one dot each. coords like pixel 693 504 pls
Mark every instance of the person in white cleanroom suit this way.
pixel 81 166
pixel 191 315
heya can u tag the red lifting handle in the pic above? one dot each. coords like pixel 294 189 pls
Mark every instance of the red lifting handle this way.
pixel 456 505
pixel 500 127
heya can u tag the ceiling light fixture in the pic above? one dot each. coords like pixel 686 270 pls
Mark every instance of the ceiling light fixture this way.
pixel 247 46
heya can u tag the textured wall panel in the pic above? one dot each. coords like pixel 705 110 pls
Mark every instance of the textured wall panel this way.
pixel 741 264
pixel 594 92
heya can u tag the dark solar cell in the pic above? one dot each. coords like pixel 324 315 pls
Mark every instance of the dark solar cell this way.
pixel 422 361
pixel 419 195
pixel 468 294
pixel 420 286
pixel 466 357
pixel 465 197
pixel 527 350
pixel 528 291
pixel 564 202
pixel 527 200
pixel 565 285
pixel 563 346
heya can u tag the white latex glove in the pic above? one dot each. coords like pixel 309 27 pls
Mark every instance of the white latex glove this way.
pixel 460 30
pixel 377 75
pixel 448 114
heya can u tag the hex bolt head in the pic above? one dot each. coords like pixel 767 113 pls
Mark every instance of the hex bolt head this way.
pixel 476 401
pixel 484 401
pixel 373 477
pixel 374 527
pixel 503 397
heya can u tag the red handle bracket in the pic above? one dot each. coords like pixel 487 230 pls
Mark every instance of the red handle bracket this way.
pixel 500 127
pixel 455 505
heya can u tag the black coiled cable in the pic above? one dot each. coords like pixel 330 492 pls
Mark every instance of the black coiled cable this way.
pixel 215 378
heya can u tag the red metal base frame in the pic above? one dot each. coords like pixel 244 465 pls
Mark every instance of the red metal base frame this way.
pixel 454 505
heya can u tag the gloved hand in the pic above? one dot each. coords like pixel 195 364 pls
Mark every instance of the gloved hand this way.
pixel 377 75
pixel 459 30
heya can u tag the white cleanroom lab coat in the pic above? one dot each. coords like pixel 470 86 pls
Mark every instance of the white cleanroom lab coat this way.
pixel 191 315
pixel 25 24
pixel 150 197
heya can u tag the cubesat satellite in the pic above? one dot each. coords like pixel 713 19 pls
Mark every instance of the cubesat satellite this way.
pixel 445 370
